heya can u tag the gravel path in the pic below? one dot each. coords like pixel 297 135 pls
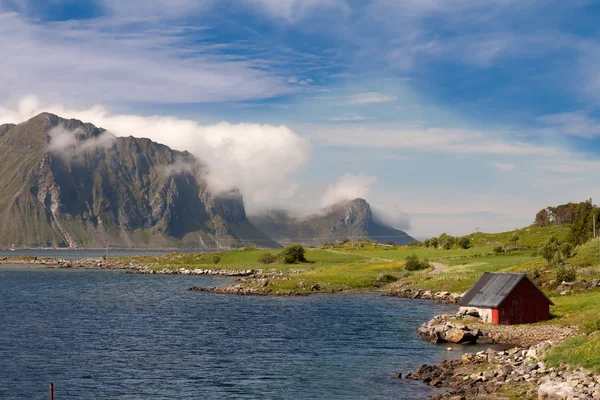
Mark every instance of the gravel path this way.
pixel 437 268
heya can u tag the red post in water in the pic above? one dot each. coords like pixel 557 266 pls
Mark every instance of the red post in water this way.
pixel 51 391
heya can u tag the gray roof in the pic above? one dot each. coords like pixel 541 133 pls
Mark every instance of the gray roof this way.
pixel 492 288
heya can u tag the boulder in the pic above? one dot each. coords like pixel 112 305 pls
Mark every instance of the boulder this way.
pixel 554 390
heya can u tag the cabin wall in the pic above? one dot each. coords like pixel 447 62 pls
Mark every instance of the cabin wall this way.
pixel 484 313
pixel 524 305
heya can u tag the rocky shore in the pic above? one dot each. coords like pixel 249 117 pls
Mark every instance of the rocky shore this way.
pixel 520 371
pixel 411 293
pixel 465 327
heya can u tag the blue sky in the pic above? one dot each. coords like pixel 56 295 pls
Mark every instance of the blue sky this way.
pixel 447 115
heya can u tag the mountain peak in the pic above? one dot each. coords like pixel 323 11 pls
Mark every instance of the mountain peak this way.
pixel 348 218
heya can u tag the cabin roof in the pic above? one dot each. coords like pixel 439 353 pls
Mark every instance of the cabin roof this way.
pixel 492 288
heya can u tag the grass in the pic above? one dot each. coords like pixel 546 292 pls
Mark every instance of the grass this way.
pixel 531 236
pixel 581 351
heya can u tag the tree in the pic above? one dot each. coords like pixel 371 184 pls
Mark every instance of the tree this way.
pixel 446 241
pixel 514 239
pixel 542 218
pixel 581 228
pixel 426 242
pixel 464 242
pixel 216 259
pixel 391 243
pixel 549 249
pixel 294 254
pixel 434 242
pixel 499 249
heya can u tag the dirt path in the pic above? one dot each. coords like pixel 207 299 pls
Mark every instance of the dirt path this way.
pixel 437 268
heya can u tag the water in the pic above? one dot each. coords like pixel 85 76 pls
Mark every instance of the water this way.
pixel 82 254
pixel 107 335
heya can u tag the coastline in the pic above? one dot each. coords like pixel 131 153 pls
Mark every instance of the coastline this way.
pixel 475 375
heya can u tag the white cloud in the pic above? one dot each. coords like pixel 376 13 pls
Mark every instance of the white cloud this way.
pixel 370 98
pixel 294 10
pixel 103 60
pixel 258 159
pixel 439 140
pixel 348 187
pixel 345 118
pixel 503 166
pixel 71 144
pixel 573 123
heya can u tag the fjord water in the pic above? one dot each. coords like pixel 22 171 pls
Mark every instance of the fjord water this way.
pixel 108 335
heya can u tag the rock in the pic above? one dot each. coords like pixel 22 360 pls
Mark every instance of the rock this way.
pixel 555 390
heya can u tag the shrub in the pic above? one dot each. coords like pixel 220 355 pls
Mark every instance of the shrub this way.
pixel 565 250
pixel 434 242
pixel 464 242
pixel 216 259
pixel 294 254
pixel 386 278
pixel 413 263
pixel 550 249
pixel 499 249
pixel 391 243
pixel 267 258
pixel 426 242
pixel 514 239
pixel 565 273
pixel 345 240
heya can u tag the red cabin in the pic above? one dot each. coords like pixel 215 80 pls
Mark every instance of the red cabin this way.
pixel 507 299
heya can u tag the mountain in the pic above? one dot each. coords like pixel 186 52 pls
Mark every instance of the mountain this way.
pixel 65 183
pixel 348 219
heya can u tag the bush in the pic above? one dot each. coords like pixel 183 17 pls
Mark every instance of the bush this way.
pixel 294 254
pixel 427 243
pixel 549 250
pixel 345 240
pixel 267 258
pixel 464 242
pixel 391 243
pixel 565 273
pixel 434 242
pixel 499 249
pixel 514 239
pixel 386 278
pixel 216 259
pixel 413 263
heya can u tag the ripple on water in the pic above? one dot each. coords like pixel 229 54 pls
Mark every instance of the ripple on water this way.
pixel 106 335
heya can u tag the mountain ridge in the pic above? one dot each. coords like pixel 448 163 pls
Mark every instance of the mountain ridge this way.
pixel 66 183
pixel 351 219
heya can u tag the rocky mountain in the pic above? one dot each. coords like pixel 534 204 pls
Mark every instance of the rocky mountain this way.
pixel 65 183
pixel 348 219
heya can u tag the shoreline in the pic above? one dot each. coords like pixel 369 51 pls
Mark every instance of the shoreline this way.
pixel 519 370
pixel 480 374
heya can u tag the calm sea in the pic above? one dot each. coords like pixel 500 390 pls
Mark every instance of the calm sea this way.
pixel 107 335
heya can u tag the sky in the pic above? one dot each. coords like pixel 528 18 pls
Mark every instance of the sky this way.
pixel 446 115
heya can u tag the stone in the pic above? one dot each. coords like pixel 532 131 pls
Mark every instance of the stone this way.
pixel 554 390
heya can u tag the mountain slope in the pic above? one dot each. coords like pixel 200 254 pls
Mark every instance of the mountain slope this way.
pixel 349 219
pixel 64 183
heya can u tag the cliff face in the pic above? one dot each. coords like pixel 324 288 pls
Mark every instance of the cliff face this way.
pixel 349 219
pixel 64 183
